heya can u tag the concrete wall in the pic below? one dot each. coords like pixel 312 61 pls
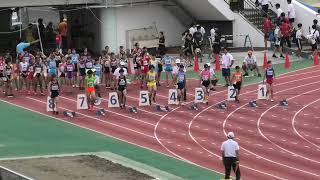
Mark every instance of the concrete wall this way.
pixel 122 19
pixel 216 10
pixel 241 26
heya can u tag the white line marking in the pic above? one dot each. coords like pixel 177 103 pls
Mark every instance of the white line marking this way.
pixel 62 97
pixel 261 133
pixel 91 117
pixel 293 123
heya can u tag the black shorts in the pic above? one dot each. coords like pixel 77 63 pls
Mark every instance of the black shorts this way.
pixel 7 78
pixel 206 83
pixel 24 74
pixel 54 94
pixel 291 20
pixel 314 46
pixel 225 72
pixel 113 69
pixel 121 88
pixel 82 71
pixel 160 68
pixel 216 48
pixel 162 50
pixel 62 75
pixel 187 52
pixel 1 74
pixel 106 70
pixel 137 66
pixel 75 67
pixel 237 86
pixel 181 86
pixel 214 82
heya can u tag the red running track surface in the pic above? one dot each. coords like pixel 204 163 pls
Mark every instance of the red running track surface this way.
pixel 276 142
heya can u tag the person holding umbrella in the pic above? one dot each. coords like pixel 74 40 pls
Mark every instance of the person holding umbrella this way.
pixel 230 156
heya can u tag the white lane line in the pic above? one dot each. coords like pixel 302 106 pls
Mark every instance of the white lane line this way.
pixel 190 124
pixel 284 149
pixel 275 162
pixel 91 117
pixel 293 123
pixel 62 97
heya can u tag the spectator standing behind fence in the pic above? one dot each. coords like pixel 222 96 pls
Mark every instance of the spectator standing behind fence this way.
pixel 63 27
pixel 279 10
pixel 267 27
pixel 162 46
pixel 291 12
pixel 285 31
pixel 230 156
pixel 264 5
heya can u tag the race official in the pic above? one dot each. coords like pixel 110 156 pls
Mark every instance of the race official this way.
pixel 230 156
pixel 250 62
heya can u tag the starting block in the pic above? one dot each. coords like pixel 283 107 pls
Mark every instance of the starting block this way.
pixel 101 112
pixel 283 103
pixel 194 107
pixel 133 110
pixel 69 114
pixel 222 105
pixel 253 104
pixel 162 109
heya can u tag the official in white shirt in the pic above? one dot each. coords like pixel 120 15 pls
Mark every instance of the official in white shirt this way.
pixel 291 12
pixel 250 62
pixel 230 156
pixel 122 66
pixel 279 10
pixel 227 62
pixel 193 29
pixel 313 37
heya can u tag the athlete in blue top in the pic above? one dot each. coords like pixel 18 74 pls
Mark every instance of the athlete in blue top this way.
pixel 52 65
pixel 168 67
pixel 181 84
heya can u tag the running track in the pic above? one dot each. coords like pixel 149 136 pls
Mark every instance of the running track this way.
pixel 276 142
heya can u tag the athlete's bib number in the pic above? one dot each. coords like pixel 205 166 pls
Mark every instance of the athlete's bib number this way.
pixel 38 70
pixel 262 91
pixel 113 100
pixel 144 98
pixel 51 105
pixel 82 102
pixel 199 95
pixel 232 92
pixel 173 96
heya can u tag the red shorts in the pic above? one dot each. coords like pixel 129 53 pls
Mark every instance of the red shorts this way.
pixel 30 76
pixel 90 90
pixel 269 80
pixel 144 69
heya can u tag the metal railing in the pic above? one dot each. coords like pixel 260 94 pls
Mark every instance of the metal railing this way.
pixel 250 11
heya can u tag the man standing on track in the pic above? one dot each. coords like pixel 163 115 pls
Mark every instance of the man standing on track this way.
pixel 227 62
pixel 230 156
